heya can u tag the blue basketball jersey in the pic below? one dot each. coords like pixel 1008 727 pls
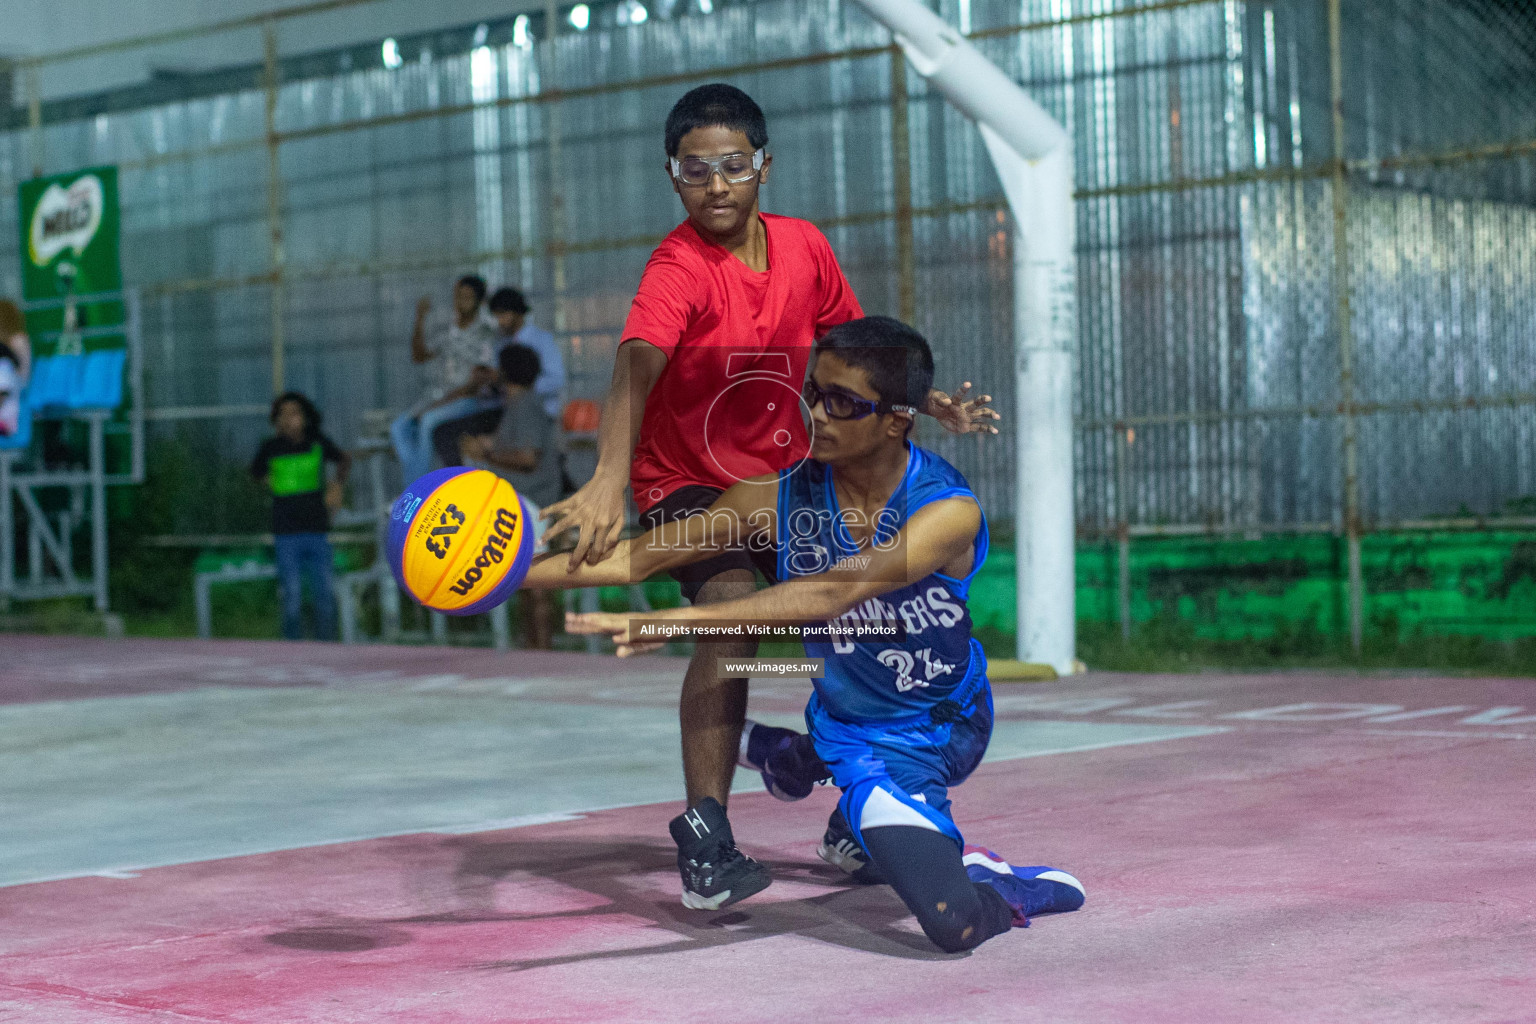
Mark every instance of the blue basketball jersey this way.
pixel 876 680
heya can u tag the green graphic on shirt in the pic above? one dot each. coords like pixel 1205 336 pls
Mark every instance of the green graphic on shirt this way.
pixel 297 474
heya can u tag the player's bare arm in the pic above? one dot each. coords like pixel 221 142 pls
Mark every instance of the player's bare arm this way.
pixel 597 509
pixel 745 513
pixel 420 353
pixel 521 460
pixel 335 489
pixel 938 538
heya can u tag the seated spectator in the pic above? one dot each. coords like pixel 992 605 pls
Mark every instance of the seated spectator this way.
pixel 522 451
pixel 292 465
pixel 11 383
pixel 15 365
pixel 510 310
pixel 13 335
pixel 461 361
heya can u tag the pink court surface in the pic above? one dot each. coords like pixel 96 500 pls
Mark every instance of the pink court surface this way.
pixel 255 832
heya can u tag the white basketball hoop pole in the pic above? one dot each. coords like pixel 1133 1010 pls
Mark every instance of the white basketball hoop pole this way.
pixel 1033 157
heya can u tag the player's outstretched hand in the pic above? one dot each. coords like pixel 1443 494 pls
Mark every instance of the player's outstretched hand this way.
pixel 597 511
pixel 613 625
pixel 960 415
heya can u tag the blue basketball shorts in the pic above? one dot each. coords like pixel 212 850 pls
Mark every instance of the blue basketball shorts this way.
pixel 900 772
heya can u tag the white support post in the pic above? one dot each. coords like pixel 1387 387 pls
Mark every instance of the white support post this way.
pixel 1044 286
pixel 1033 156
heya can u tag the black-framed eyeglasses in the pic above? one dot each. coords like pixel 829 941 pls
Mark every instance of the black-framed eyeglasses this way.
pixel 840 405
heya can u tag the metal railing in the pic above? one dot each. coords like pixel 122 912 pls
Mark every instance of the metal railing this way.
pixel 1289 270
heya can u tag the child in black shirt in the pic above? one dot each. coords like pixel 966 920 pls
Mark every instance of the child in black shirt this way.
pixel 292 464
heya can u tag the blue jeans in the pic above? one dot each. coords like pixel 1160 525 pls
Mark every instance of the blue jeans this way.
pixel 300 555
pixel 412 432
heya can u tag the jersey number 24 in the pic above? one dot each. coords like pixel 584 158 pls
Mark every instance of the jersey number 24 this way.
pixel 903 664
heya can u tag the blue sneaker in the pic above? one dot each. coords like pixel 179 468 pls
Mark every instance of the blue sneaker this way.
pixel 785 758
pixel 1029 891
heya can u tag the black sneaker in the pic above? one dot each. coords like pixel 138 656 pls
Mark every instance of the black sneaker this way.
pixel 840 849
pixel 715 873
pixel 786 759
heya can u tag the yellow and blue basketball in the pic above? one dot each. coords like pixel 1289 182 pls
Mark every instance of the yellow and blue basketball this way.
pixel 459 540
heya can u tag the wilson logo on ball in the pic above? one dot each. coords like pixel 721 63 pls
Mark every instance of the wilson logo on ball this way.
pixel 502 532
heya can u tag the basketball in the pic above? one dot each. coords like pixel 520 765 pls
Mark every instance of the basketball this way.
pixel 459 542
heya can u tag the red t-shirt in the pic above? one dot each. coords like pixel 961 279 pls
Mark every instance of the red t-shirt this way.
pixel 727 406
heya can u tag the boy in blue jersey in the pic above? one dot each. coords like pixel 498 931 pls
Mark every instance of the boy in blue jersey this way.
pixel 875 534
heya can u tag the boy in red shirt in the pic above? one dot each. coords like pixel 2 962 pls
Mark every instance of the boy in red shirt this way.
pixel 706 393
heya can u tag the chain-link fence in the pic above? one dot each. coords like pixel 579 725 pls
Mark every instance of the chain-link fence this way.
pixel 1306 229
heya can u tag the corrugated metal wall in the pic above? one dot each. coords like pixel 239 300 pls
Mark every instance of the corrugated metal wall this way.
pixel 1210 390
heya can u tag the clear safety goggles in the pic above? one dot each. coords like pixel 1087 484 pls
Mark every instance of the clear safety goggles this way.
pixel 735 168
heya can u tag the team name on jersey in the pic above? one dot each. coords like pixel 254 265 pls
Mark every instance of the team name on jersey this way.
pixel 934 608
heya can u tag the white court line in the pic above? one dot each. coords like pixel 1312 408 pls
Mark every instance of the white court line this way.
pixel 521 821
pixel 1180 735
pixel 131 871
pixel 1449 733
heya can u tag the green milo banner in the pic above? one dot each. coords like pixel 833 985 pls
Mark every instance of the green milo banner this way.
pixel 69 225
pixel 71 284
